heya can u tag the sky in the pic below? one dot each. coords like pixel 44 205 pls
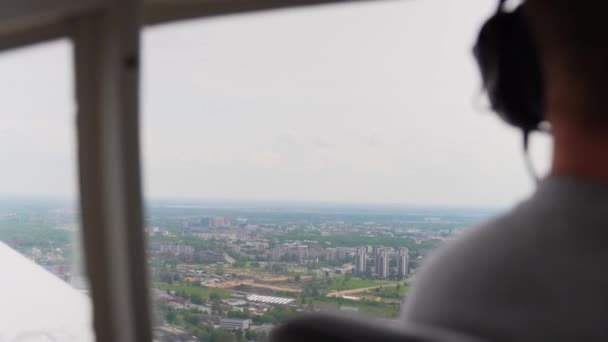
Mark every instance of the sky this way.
pixel 374 102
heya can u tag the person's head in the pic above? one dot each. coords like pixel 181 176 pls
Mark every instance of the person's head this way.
pixel 571 40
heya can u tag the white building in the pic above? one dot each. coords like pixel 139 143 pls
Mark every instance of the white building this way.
pixel 361 260
pixel 235 324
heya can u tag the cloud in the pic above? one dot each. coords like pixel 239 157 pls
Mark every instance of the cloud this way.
pixel 265 158
pixel 320 142
pixel 371 140
pixel 289 137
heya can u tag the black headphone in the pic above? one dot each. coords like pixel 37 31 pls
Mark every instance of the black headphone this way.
pixel 510 69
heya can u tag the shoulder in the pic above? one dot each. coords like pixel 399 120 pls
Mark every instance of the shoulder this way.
pixel 476 273
pixel 518 268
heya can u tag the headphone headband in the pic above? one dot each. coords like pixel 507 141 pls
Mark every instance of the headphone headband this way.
pixel 510 68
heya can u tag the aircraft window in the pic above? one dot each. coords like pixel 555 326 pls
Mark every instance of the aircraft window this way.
pixel 43 292
pixel 312 159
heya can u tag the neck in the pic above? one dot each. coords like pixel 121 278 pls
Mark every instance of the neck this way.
pixel 579 150
pixel 579 154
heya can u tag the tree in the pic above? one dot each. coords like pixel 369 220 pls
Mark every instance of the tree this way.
pixel 179 320
pixel 216 308
pixel 196 299
pixel 237 314
pixel 166 277
pixel 219 335
pixel 170 316
pixel 277 268
pixel 201 334
pixel 278 314
pixel 260 319
pixel 256 336
pixel 192 318
pixel 297 278
pixel 310 290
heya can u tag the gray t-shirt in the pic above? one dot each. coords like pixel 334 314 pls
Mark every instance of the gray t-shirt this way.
pixel 537 273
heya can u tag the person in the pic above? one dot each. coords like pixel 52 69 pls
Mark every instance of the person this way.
pixel 537 273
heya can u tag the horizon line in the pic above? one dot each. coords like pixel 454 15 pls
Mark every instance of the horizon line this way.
pixel 201 200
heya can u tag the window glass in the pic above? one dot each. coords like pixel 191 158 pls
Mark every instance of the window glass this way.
pixel 43 292
pixel 312 159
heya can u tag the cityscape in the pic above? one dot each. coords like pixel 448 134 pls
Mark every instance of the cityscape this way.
pixel 232 271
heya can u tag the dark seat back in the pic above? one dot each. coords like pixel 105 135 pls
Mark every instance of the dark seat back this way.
pixel 335 328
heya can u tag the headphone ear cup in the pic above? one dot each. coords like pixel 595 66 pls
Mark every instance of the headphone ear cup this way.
pixel 510 69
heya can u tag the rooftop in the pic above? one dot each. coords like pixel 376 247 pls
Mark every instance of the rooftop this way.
pixel 269 299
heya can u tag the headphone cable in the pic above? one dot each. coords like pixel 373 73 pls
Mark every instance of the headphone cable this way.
pixel 527 159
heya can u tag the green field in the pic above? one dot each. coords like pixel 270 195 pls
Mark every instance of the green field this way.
pixel 389 294
pixel 373 308
pixel 38 235
pixel 203 292
pixel 349 283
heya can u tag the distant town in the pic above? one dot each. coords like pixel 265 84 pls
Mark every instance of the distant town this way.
pixel 232 271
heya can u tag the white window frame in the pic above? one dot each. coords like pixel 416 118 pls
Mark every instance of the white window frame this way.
pixel 106 38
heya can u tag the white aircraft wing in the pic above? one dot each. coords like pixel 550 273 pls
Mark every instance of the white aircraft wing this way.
pixel 36 306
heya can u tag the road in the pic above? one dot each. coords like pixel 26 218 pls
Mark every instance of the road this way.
pixel 251 283
pixel 271 287
pixel 354 291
